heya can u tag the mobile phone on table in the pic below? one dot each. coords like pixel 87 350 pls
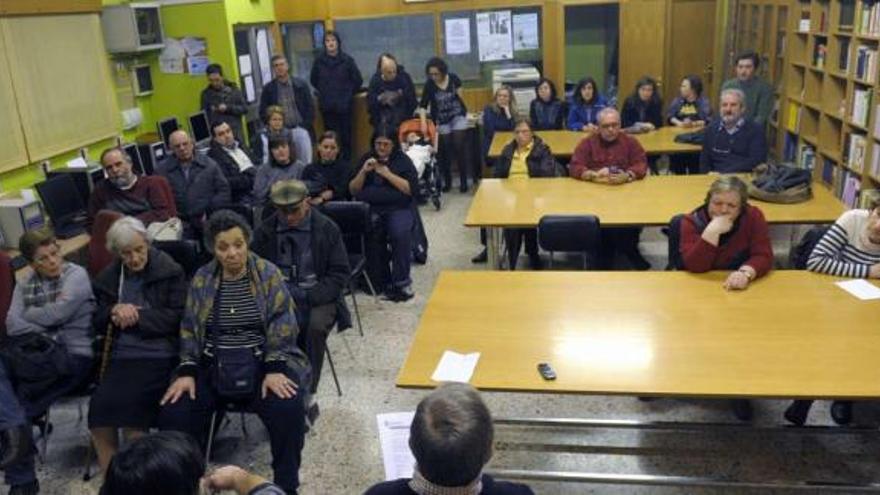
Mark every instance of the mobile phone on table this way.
pixel 546 371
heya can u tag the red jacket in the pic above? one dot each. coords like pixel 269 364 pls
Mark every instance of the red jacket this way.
pixel 146 200
pixel 594 153
pixel 748 243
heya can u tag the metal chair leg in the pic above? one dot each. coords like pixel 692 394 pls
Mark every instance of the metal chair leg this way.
pixel 210 443
pixel 333 371
pixel 243 418
pixel 357 312
pixel 90 458
pixel 370 285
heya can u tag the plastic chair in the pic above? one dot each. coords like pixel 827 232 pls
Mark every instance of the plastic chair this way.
pixel 570 234
pixel 99 256
pixel 674 241
pixel 353 219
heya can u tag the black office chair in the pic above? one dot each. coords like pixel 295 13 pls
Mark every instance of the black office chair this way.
pixel 353 219
pixel 187 253
pixel 570 234
pixel 673 242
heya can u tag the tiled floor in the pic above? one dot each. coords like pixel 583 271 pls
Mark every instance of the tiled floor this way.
pixel 342 453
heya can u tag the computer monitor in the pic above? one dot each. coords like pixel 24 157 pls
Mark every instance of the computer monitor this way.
pixel 67 211
pixel 158 155
pixel 200 128
pixel 137 165
pixel 166 127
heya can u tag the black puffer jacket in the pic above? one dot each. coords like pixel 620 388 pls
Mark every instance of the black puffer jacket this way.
pixel 336 79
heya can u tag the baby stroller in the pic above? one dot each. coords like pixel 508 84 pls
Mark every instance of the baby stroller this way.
pixel 422 150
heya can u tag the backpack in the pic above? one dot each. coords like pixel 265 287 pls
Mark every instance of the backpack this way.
pixel 800 253
pixel 36 362
pixel 781 184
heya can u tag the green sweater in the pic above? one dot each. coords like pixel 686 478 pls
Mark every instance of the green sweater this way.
pixel 759 98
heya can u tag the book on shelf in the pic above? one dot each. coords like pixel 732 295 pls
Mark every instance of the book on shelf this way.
pixel 823 18
pixel 868 21
pixel 861 107
pixel 866 63
pixel 794 117
pixel 806 156
pixel 843 57
pixel 847 15
pixel 869 197
pixel 850 185
pixel 875 160
pixel 819 55
pixel 789 147
pixel 877 122
pixel 804 23
pixel 828 168
pixel 856 156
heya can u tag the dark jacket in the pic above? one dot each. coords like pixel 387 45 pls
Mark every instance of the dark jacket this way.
pixel 330 260
pixel 493 121
pixel 547 116
pixel 401 108
pixel 334 176
pixel 240 183
pixel 236 107
pixel 164 288
pixel 636 110
pixel 336 79
pixel 540 160
pixel 430 91
pixel 302 94
pixel 728 154
pixel 205 189
pixel 490 487
pixel 379 193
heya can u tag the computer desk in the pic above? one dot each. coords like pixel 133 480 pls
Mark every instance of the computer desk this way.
pixel 790 335
pixel 71 249
pixel 563 143
pixel 653 201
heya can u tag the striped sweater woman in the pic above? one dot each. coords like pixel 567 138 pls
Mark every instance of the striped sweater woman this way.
pixel 851 247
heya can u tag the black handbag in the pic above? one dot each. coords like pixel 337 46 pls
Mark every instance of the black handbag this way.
pixel 236 369
pixel 35 361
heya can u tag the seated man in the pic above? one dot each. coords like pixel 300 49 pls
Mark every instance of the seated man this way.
pixel 733 143
pixel 171 462
pixel 56 301
pixel 451 438
pixel 612 157
pixel 197 182
pixel 234 161
pixel 307 247
pixel 125 192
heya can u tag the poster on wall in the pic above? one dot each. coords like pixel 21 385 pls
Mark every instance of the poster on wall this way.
pixel 458 36
pixel 188 55
pixel 494 36
pixel 171 59
pixel 263 55
pixel 525 31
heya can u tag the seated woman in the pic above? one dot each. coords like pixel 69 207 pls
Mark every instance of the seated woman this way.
pixel 298 138
pixel 282 166
pixel 586 104
pixel 387 180
pixel 850 248
pixel 526 157
pixel 643 109
pixel 140 302
pixel 546 111
pixel 327 177
pixel 238 346
pixel 55 301
pixel 688 110
pixel 726 233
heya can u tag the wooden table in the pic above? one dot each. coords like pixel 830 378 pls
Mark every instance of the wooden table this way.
pixel 792 334
pixel 653 201
pixel 563 143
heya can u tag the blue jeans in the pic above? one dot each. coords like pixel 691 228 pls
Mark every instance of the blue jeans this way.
pixel 15 412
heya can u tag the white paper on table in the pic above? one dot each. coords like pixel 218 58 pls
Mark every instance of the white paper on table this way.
pixel 249 94
pixel 525 31
pixel 458 36
pixel 78 162
pixel 244 65
pixel 862 289
pixel 455 367
pixel 394 439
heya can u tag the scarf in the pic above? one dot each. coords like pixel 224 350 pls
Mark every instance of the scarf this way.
pixel 40 291
pixel 420 485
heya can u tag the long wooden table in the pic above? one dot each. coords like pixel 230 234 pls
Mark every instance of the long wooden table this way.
pixel 563 143
pixel 792 334
pixel 500 203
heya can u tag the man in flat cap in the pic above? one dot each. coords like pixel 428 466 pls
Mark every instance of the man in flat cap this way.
pixel 307 246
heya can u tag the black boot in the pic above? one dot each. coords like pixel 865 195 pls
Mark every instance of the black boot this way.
pixel 481 258
pixel 841 412
pixel 15 443
pixel 32 488
pixel 798 411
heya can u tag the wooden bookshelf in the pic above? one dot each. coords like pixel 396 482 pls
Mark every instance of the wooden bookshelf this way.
pixel 829 91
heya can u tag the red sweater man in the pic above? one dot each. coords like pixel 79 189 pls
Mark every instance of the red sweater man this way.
pixel 609 155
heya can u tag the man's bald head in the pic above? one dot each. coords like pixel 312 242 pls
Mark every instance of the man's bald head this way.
pixel 181 145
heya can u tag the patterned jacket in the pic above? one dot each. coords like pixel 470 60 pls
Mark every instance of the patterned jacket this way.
pixel 276 308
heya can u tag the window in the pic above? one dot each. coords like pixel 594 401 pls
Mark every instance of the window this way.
pixel 410 38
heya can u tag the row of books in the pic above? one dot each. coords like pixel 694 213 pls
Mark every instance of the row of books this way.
pixel 847 188
pixel 855 158
pixel 806 156
pixel 868 19
pixel 861 106
pixel 866 63
pixel 874 171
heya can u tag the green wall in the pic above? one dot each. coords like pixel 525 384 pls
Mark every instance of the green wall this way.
pixel 590 31
pixel 174 95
